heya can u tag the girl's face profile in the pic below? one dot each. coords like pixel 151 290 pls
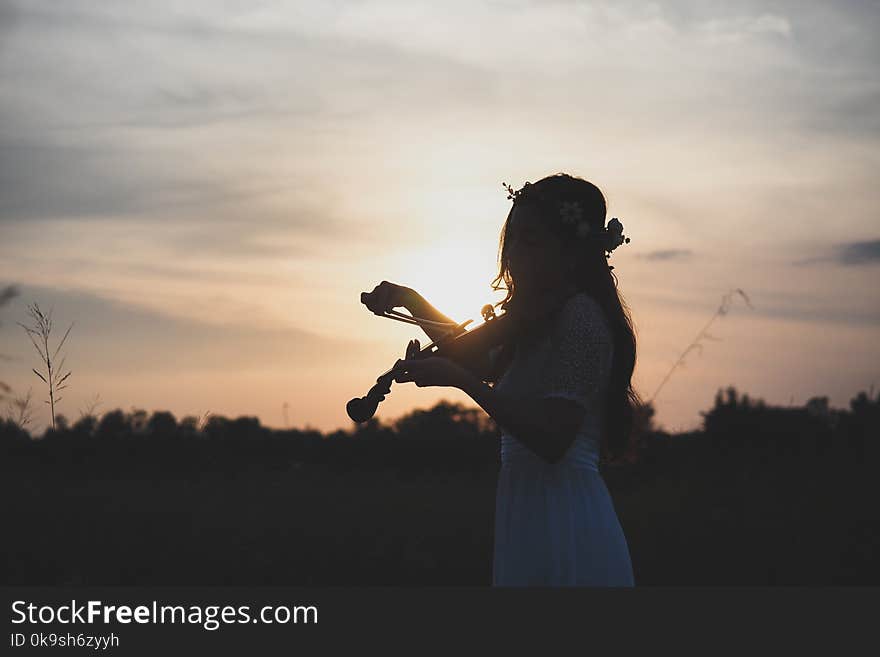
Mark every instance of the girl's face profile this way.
pixel 535 253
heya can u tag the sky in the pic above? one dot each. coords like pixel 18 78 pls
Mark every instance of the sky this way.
pixel 204 189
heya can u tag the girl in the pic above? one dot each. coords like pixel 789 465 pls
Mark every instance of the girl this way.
pixel 561 394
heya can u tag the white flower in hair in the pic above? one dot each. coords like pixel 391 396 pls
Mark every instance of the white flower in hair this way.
pixel 571 212
pixel 614 236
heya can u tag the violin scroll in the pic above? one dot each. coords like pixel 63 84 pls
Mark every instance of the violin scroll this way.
pixel 361 409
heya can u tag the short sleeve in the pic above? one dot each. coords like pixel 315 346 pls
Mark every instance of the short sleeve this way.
pixel 494 355
pixel 579 352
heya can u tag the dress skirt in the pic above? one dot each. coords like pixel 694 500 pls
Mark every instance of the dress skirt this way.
pixel 556 525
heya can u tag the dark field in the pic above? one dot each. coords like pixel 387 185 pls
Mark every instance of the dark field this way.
pixel 252 506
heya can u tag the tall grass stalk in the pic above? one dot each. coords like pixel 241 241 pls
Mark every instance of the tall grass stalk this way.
pixel 723 309
pixel 90 408
pixel 39 333
pixel 18 410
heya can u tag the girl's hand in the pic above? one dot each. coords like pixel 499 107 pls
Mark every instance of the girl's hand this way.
pixel 431 371
pixel 387 296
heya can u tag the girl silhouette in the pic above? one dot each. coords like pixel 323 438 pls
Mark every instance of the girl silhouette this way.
pixel 561 394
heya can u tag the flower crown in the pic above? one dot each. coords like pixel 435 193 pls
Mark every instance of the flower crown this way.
pixel 571 212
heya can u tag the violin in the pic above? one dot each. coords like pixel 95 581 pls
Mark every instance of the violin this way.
pixel 460 345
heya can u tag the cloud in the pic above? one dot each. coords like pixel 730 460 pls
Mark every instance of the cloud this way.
pixel 234 129
pixel 859 253
pixel 667 254
pixel 852 254
pixel 8 293
pixel 110 336
pixel 197 117
pixel 739 28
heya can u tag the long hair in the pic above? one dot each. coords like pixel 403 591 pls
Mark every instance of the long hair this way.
pixel 590 273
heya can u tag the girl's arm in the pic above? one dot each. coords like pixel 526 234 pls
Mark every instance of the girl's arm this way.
pixel 547 426
pixel 418 306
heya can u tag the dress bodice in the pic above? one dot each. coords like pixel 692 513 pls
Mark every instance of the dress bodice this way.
pixel 571 360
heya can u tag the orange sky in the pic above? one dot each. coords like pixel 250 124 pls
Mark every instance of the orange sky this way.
pixel 206 193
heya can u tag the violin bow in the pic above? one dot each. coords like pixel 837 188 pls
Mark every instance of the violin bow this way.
pixel 421 321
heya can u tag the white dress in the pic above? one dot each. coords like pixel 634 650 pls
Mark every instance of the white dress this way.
pixel 555 524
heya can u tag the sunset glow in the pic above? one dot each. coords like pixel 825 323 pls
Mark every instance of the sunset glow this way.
pixel 206 191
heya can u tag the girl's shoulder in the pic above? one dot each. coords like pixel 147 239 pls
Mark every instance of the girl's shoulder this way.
pixel 581 298
pixel 581 312
pixel 579 305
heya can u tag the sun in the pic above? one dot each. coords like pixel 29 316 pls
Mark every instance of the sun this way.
pixel 454 266
pixel 455 278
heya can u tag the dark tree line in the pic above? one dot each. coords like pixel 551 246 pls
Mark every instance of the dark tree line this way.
pixel 449 436
pixel 758 495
